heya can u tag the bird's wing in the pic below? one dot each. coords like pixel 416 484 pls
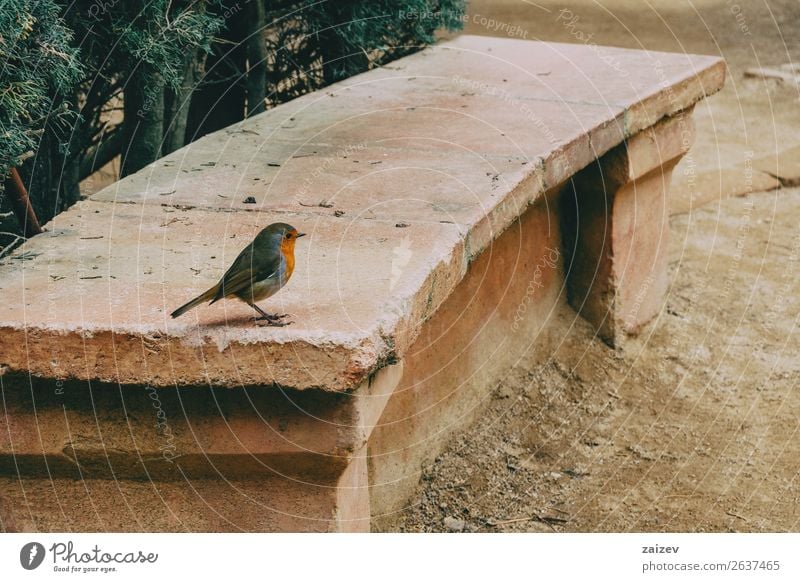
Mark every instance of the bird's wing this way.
pixel 248 268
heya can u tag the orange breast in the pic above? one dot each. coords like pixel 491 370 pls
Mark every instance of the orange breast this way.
pixel 287 248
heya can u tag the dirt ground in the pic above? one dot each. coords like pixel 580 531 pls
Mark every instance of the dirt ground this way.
pixel 694 426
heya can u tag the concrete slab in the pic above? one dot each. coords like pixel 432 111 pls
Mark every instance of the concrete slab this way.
pixel 462 152
pixel 101 311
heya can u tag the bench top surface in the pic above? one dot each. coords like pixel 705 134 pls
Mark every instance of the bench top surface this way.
pixel 400 176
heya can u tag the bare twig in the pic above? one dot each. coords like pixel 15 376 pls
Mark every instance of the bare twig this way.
pixel 22 205
pixel 15 235
pixel 545 519
pixel 322 204
pixel 24 156
pixel 12 245
pixel 109 146
pixel 732 514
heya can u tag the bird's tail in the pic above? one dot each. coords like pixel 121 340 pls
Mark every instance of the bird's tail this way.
pixel 195 302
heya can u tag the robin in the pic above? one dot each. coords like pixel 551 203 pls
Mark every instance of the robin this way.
pixel 260 270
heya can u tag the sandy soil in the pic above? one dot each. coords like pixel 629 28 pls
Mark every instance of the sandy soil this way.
pixel 694 427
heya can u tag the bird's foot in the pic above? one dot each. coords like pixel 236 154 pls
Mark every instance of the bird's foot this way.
pixel 273 320
pixel 272 317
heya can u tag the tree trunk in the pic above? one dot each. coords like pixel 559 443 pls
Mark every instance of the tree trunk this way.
pixel 339 61
pixel 177 104
pixel 257 58
pixel 144 118
pixel 69 183
pixel 219 101
pixel 38 175
pixel 98 156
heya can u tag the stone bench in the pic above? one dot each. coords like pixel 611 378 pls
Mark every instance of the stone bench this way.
pixel 452 199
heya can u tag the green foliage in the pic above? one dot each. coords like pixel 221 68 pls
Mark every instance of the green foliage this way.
pixel 82 81
pixel 117 35
pixel 119 38
pixel 38 69
pixel 312 44
pixel 379 30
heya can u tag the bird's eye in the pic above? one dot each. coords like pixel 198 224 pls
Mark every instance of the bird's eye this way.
pixel 288 235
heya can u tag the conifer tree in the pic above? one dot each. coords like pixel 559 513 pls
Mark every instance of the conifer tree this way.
pixel 84 81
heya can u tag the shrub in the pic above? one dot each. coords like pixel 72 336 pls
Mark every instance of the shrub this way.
pixel 85 81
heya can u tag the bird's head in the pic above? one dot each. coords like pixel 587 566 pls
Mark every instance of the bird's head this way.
pixel 281 235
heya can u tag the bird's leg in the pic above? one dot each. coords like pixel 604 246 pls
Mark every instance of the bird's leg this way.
pixel 264 314
pixel 269 317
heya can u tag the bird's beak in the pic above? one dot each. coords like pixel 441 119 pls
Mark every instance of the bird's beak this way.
pixel 299 234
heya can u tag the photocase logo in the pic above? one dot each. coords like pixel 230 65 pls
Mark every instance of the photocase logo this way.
pixel 31 555
pixel 402 255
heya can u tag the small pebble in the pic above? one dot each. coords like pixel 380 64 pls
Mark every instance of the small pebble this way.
pixel 453 524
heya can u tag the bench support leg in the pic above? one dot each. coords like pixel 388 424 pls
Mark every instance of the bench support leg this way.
pixel 615 217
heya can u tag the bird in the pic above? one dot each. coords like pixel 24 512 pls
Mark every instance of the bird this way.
pixel 260 270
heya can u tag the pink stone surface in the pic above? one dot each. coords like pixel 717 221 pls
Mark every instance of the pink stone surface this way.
pixel 452 144
pixel 618 229
pixel 102 310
